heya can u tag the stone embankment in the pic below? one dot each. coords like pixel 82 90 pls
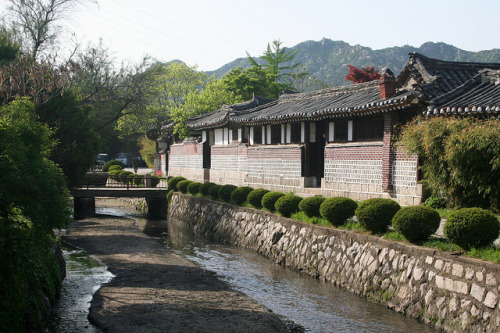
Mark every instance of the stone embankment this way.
pixel 452 293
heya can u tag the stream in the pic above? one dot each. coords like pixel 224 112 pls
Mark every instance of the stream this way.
pixel 312 305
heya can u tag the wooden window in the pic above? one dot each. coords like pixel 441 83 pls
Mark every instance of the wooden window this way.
pixel 275 134
pixel 295 132
pixel 369 128
pixel 257 135
pixel 340 133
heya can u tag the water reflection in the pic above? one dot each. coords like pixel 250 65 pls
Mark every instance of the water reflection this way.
pixel 319 307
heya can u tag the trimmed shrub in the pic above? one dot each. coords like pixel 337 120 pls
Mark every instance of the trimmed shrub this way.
pixel 114 167
pixel 213 191
pixel 288 204
pixel 270 198
pixel 375 215
pixel 205 187
pixel 194 188
pixel 434 202
pixel 123 176
pixel 472 227
pixel 310 206
pixel 139 180
pixel 106 165
pixel 113 174
pixel 255 197
pixel 225 192
pixel 239 195
pixel 338 209
pixel 182 186
pixel 172 182
pixel 416 223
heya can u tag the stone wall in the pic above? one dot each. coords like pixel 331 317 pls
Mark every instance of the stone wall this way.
pixel 228 164
pixel 452 293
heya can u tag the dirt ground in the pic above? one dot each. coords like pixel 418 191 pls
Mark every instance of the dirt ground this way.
pixel 156 290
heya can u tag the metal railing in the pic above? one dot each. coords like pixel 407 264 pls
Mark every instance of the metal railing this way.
pixel 125 182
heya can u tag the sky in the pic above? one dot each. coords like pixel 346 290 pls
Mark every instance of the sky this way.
pixel 211 33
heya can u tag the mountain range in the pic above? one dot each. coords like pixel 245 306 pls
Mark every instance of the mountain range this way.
pixel 327 60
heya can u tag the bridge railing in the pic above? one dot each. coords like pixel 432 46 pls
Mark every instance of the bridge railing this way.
pixel 125 182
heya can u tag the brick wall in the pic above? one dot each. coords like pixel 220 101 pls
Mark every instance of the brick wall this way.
pixel 228 164
pixel 404 178
pixel 186 160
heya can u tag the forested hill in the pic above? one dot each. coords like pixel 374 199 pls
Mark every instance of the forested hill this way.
pixel 326 60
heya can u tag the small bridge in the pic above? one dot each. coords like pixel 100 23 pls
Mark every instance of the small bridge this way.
pixel 99 185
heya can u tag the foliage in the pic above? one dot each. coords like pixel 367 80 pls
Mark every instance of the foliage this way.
pixel 194 188
pixel 416 223
pixel 288 204
pixel 472 228
pixel 9 47
pixel 255 197
pixel 32 186
pixel 253 80
pixel 213 191
pixel 337 210
pixel 182 185
pixel 461 158
pixel 270 198
pixel 172 182
pixel 225 192
pixel 155 180
pixel 204 188
pixel 124 175
pixel 139 180
pixel 114 167
pixel 276 60
pixel 148 150
pixel 434 202
pixel 310 206
pixel 239 195
pixel 114 174
pixel 364 74
pixel 375 215
pixel 169 195
pixel 108 164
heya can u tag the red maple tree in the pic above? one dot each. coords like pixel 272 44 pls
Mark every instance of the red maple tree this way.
pixel 364 74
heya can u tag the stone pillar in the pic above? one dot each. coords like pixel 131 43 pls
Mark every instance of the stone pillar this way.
pixel 390 119
pixel 84 208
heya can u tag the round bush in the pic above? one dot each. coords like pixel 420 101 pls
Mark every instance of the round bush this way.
pixel 287 205
pixel 472 227
pixel 182 186
pixel 416 223
pixel 338 209
pixel 239 195
pixel 194 188
pixel 113 174
pixel 270 198
pixel 255 197
pixel 106 165
pixel 213 191
pixel 205 187
pixel 139 180
pixel 169 195
pixel 172 182
pixel 310 206
pixel 114 167
pixel 225 192
pixel 124 176
pixel 155 180
pixel 376 214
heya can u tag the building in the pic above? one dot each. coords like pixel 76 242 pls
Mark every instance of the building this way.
pixel 337 141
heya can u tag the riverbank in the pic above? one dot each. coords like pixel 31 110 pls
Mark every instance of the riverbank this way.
pixel 156 290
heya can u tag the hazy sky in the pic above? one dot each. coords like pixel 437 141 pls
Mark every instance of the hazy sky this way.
pixel 211 33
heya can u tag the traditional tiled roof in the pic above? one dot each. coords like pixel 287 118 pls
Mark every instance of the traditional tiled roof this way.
pixel 478 96
pixel 327 103
pixel 220 117
pixel 437 77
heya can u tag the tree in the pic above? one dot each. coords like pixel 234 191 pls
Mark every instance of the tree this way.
pixel 9 47
pixel 168 86
pixel 364 74
pixel 208 99
pixel 277 60
pixel 37 21
pixel 461 158
pixel 254 80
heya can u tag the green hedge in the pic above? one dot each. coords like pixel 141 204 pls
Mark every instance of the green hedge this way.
pixel 225 192
pixel 376 214
pixel 194 188
pixel 255 197
pixel 213 191
pixel 182 186
pixel 106 165
pixel 172 182
pixel 205 187
pixel 338 209
pixel 239 195
pixel 472 227
pixel 270 198
pixel 287 205
pixel 416 223
pixel 310 206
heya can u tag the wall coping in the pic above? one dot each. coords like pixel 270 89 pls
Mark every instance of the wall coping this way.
pixel 355 144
